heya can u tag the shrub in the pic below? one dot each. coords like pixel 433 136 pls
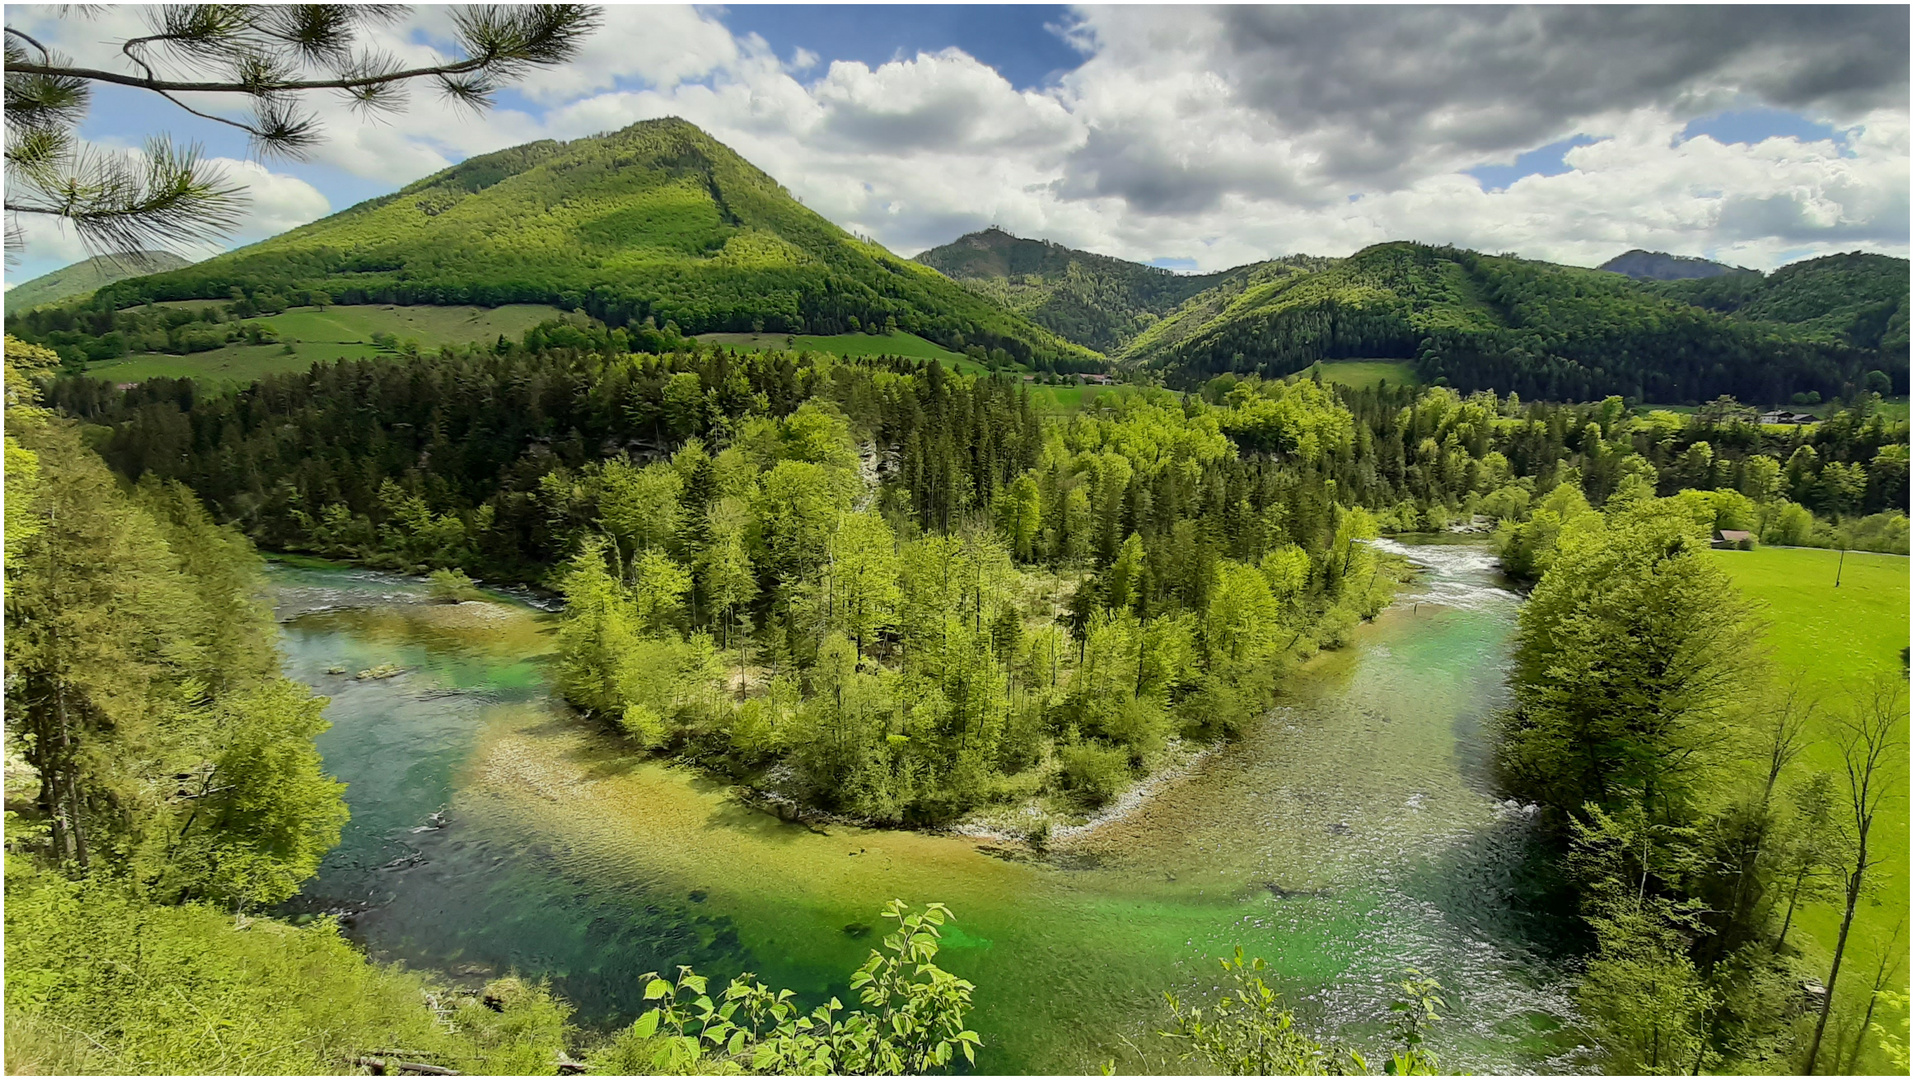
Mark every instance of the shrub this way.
pixel 452 586
pixel 1095 773
pixel 101 981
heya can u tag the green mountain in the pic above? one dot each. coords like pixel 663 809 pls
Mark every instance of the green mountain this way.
pixel 1094 300
pixel 1542 330
pixel 1661 266
pixel 85 276
pixel 1856 299
pixel 657 221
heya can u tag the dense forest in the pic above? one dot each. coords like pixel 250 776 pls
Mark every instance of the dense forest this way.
pixel 1476 321
pixel 655 224
pixel 981 584
pixel 889 590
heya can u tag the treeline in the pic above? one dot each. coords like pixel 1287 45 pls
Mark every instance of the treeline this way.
pixel 1477 322
pixel 81 335
pixel 1672 772
pixel 1426 459
pixel 884 580
pixel 496 461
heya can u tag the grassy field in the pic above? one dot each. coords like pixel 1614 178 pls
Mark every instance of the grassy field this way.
pixel 1365 373
pixel 232 364
pixel 1833 641
pixel 329 334
pixel 1064 400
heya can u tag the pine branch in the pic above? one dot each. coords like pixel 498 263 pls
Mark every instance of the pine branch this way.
pixel 266 56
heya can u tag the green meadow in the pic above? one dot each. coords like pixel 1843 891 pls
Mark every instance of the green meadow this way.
pixel 1832 641
pixel 1064 400
pixel 1364 373
pixel 309 334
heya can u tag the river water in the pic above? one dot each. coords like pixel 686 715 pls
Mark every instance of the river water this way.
pixel 1350 836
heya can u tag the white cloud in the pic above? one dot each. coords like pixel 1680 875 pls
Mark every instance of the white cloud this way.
pixel 272 203
pixel 275 202
pixel 1236 134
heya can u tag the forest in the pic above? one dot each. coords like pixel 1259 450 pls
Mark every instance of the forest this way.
pixel 884 590
pixel 893 587
pixel 1559 333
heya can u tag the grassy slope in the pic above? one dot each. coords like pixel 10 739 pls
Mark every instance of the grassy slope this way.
pixel 1208 308
pixel 87 275
pixel 1833 640
pixel 657 220
pixel 1366 373
pixel 329 334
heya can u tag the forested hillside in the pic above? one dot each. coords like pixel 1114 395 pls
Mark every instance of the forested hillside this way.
pixel 85 276
pixel 1856 300
pixel 1091 299
pixel 1479 322
pixel 656 223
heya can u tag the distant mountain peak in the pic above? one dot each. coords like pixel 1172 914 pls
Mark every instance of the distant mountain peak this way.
pixel 1643 265
pixel 83 277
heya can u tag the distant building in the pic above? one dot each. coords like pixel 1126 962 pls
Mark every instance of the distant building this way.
pixel 1783 417
pixel 1734 539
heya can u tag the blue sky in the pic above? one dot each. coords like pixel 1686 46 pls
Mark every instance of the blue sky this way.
pixel 1192 138
pixel 1021 42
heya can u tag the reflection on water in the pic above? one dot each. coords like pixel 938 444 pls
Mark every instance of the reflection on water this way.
pixel 1351 835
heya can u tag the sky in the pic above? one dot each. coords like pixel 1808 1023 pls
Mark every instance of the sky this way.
pixel 1190 137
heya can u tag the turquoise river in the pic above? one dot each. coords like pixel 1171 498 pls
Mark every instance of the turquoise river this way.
pixel 1350 836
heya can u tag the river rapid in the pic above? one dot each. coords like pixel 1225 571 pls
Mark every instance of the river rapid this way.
pixel 1351 835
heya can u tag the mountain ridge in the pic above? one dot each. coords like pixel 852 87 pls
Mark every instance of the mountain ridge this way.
pixel 89 275
pixel 1644 265
pixel 1472 319
pixel 1099 301
pixel 654 221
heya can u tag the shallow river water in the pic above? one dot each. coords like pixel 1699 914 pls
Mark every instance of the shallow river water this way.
pixel 1351 835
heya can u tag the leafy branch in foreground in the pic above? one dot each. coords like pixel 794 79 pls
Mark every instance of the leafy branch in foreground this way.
pixel 915 1021
pixel 271 57
pixel 1248 1031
